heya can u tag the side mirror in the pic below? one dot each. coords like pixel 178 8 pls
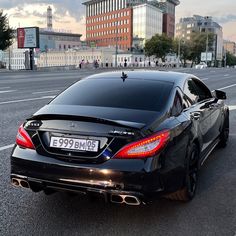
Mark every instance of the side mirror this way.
pixel 219 94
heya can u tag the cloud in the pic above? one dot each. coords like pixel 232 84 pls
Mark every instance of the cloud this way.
pixel 225 19
pixel 40 22
pixel 62 7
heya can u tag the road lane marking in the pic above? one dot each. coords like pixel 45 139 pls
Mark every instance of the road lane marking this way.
pixel 230 86
pixel 5 87
pixel 226 75
pixel 232 108
pixel 53 96
pixel 7 91
pixel 26 100
pixel 6 147
pixel 52 91
pixel 205 79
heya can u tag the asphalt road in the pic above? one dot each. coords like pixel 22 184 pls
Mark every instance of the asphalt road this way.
pixel 212 212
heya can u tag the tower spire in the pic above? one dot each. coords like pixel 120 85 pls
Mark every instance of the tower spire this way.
pixel 49 18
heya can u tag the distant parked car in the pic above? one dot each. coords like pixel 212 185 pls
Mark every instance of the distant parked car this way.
pixel 201 65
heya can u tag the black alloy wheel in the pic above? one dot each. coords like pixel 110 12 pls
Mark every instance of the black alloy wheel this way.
pixel 191 173
pixel 188 191
pixel 224 135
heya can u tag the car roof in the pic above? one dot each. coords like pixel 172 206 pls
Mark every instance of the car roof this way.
pixel 168 76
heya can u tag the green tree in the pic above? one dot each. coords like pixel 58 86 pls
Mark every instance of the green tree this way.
pixel 198 45
pixel 159 46
pixel 182 46
pixel 230 59
pixel 6 33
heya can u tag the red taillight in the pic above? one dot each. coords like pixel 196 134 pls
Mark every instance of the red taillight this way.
pixel 23 139
pixel 146 147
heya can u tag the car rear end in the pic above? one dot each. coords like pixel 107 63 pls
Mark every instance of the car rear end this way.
pixel 93 146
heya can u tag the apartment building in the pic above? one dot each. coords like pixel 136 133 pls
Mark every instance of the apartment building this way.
pixel 186 26
pixel 109 23
pixel 117 22
pixel 230 47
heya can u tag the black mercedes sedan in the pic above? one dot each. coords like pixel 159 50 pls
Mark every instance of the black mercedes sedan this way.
pixel 129 137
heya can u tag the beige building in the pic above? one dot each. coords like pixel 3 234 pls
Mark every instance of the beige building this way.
pixel 75 57
pixel 188 25
pixel 230 47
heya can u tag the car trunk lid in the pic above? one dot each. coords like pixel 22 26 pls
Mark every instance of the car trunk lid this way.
pixel 107 128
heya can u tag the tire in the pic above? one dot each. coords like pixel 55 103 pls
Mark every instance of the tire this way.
pixel 224 135
pixel 188 191
pixel 49 191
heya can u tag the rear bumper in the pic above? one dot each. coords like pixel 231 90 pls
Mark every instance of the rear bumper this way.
pixel 141 178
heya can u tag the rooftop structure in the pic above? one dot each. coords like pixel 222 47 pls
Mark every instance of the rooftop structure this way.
pixel 49 18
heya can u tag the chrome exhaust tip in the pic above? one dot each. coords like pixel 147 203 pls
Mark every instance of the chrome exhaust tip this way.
pixel 24 184
pixel 117 199
pixel 126 199
pixel 19 183
pixel 132 200
pixel 15 182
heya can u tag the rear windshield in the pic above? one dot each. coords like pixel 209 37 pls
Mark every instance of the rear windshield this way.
pixel 132 94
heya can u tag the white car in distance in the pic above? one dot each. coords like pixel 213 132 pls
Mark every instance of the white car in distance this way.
pixel 201 65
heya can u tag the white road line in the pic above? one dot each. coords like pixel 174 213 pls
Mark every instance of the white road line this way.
pixel 226 75
pixel 7 91
pixel 205 79
pixel 232 108
pixel 5 87
pixel 52 91
pixel 230 86
pixel 6 147
pixel 53 96
pixel 26 100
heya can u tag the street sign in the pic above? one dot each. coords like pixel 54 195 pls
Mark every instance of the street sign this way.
pixel 28 37
pixel 206 56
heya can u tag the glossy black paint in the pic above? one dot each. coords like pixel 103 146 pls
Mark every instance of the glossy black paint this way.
pixel 44 168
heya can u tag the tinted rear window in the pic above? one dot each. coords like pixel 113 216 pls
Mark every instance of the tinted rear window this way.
pixel 131 94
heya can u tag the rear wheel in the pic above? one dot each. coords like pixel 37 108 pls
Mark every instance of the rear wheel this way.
pixel 224 135
pixel 188 191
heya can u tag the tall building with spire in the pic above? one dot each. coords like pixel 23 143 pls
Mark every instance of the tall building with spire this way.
pixel 49 18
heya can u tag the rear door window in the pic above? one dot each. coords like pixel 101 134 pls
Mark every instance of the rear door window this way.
pixel 195 91
pixel 177 107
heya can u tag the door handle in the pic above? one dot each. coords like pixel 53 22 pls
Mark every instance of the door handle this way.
pixel 195 115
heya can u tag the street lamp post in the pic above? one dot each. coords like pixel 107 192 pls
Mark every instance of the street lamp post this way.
pixel 9 52
pixel 178 53
pixel 206 45
pixel 9 58
pixel 225 61
pixel 116 53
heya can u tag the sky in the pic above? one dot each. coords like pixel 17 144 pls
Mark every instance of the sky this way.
pixel 68 15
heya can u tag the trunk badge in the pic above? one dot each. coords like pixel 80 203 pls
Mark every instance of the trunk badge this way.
pixel 72 125
pixel 125 133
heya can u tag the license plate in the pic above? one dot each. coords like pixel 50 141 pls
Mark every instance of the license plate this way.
pixel 74 144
